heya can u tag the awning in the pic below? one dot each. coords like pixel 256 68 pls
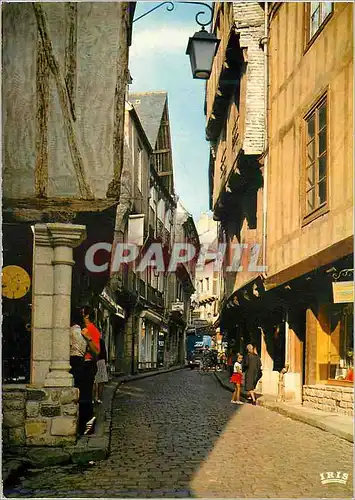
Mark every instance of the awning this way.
pixel 111 305
pixel 208 300
pixel 150 316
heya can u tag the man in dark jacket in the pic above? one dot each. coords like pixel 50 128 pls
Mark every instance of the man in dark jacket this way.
pixel 252 369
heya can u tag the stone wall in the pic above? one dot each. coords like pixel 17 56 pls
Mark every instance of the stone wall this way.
pixel 330 398
pixel 39 416
pixel 249 24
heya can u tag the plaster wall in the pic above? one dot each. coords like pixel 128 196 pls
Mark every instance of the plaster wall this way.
pixel 25 79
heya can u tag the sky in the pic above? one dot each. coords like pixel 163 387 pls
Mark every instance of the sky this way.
pixel 157 61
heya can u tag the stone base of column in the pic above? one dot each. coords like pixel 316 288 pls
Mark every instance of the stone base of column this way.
pixel 59 375
pixel 51 416
pixel 56 380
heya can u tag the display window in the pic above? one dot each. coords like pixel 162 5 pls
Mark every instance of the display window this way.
pixel 341 343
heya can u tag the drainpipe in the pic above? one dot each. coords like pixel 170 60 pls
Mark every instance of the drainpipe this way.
pixel 264 42
pixel 287 340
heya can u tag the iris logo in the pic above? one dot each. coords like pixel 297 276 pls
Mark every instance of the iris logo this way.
pixel 334 477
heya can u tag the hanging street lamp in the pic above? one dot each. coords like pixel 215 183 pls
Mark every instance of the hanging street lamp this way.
pixel 202 46
pixel 201 49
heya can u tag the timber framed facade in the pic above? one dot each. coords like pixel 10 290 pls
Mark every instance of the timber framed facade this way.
pixel 295 311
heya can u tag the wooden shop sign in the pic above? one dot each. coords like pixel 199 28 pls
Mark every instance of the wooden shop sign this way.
pixel 343 292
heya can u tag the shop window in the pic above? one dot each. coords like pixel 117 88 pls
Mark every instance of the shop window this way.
pixel 341 342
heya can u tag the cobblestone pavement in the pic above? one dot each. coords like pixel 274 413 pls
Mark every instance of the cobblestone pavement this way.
pixel 177 435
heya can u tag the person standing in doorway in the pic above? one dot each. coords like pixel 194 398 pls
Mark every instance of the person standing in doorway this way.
pixel 252 368
pixel 260 372
pixel 236 379
pixel 101 376
pixel 92 337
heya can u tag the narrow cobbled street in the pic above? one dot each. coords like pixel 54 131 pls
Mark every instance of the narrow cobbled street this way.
pixel 177 435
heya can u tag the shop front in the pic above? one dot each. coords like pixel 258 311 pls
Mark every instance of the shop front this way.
pixel 149 330
pixel 329 377
pixel 16 303
pixel 111 323
pixel 163 331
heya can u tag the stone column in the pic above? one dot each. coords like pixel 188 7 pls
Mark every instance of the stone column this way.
pixel 64 237
pixel 42 304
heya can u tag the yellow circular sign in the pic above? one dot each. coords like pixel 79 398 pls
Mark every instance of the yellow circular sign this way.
pixel 15 282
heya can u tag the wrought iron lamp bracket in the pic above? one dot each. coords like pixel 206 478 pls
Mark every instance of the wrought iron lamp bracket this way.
pixel 344 273
pixel 170 6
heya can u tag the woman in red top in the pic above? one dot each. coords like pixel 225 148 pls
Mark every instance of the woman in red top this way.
pixel 92 337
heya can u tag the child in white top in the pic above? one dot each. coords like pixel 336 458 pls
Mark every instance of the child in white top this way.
pixel 236 379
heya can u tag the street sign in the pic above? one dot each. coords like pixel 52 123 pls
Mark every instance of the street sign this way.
pixel 177 306
pixel 343 292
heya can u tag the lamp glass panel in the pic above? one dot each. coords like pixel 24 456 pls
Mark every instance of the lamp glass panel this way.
pixel 202 53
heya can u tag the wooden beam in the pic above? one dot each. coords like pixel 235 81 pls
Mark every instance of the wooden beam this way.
pixel 54 66
pixel 114 188
pixel 157 151
pixel 70 52
pixel 322 258
pixel 164 174
pixel 59 209
pixel 56 203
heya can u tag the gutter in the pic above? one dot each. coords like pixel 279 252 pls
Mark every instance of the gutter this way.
pixel 264 42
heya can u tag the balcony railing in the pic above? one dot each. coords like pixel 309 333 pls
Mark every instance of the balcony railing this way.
pixel 128 278
pixel 141 288
pixel 132 281
pixel 162 160
pixel 160 229
pixel 150 294
pixel 152 221
pixel 160 298
pixel 166 237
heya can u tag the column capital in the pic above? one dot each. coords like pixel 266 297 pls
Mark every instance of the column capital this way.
pixel 70 235
pixel 41 235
